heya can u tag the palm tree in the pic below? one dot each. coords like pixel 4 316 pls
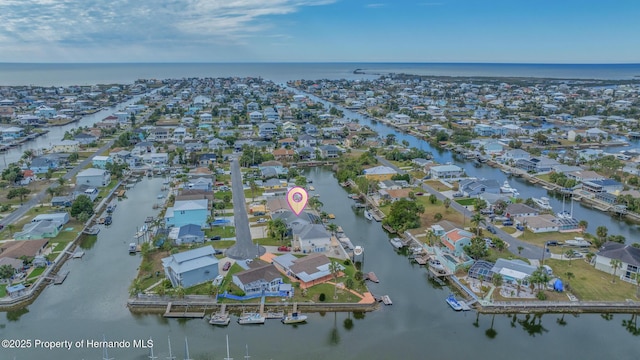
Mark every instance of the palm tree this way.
pixel 602 231
pixel 332 228
pixel 446 202
pixel 583 224
pixel 570 276
pixel 520 248
pixel 477 219
pixel 568 254
pixel 334 269
pixel 519 282
pixel 180 292
pixel 615 264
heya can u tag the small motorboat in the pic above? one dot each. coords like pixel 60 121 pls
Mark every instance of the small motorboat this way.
pixel 453 302
pixel 294 318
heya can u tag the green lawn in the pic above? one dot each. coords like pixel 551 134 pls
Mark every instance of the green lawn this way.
pixel 466 202
pixel 223 231
pixel 59 247
pixel 220 194
pixel 591 284
pixel 541 238
pixel 36 272
pixel 3 290
pixel 438 185
pixel 509 229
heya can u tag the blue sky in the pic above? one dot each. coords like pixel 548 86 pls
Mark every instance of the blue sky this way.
pixel 559 31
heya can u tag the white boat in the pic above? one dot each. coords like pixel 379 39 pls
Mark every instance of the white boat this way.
pixel 396 242
pixel 566 214
pixel 367 215
pixel 542 203
pixel 579 242
pixel 453 302
pixel 294 318
pixel 251 318
pixel 220 319
pixel 507 189
pixel 436 265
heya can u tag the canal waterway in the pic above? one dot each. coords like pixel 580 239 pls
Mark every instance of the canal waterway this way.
pixel 594 217
pixel 419 324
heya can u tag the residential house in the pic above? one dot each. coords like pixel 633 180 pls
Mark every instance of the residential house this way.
pixel 584 175
pixel 446 171
pixel 520 210
pixel 187 212
pixel 306 153
pixel 311 238
pixel 599 186
pixel 394 195
pixel 329 151
pixel 456 239
pixel 38 230
pixel 538 224
pixel 62 201
pixel 189 234
pixel 309 270
pixel 267 130
pixel 513 271
pixel 255 116
pixel 143 147
pixel 283 154
pixel 537 165
pixel 17 249
pixel 100 162
pixel 66 146
pixel 259 280
pixel 207 159
pixel 379 173
pixel 286 142
pixel 93 177
pixel 201 183
pixel 85 139
pixel 628 256
pixel 473 188
pixel 514 155
pixel 191 267
pixel 42 164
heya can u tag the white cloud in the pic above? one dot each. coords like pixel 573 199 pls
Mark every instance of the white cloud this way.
pixel 373 6
pixel 140 23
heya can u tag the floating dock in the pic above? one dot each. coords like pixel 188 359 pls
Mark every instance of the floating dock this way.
pixel 372 277
pixel 61 277
pixel 386 300
pixel 78 254
pixel 182 314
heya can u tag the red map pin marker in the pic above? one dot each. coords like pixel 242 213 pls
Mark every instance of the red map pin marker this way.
pixel 297 198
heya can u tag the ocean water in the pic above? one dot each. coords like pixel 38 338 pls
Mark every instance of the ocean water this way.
pixel 42 74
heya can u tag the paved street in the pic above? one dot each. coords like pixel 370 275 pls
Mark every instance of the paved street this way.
pixel 529 251
pixel 244 247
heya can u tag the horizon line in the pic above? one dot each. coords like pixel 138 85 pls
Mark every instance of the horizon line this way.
pixel 316 62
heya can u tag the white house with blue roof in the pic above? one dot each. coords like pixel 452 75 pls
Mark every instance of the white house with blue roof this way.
pixel 185 212
pixel 191 267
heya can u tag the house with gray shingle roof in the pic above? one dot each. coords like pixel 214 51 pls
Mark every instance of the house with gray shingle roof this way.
pixel 628 256
pixel 311 238
pixel 258 280
pixel 310 270
pixel 191 267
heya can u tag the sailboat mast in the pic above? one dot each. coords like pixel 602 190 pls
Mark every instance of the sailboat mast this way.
pixel 171 357
pixel 228 357
pixel 186 350
pixel 151 351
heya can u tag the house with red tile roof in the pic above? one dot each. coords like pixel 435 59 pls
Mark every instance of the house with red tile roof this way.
pixel 456 239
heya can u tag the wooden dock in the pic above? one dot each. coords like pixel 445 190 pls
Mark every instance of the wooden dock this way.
pixel 371 276
pixel 386 300
pixel 61 277
pixel 182 314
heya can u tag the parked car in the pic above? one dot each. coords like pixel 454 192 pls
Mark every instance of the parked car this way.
pixel 284 248
pixel 217 237
pixel 507 223
pixel 217 252
pixel 226 266
pixel 520 227
pixel 552 243
pixel 491 229
pixel 262 220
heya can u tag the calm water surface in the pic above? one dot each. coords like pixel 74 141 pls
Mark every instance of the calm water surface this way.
pixel 91 304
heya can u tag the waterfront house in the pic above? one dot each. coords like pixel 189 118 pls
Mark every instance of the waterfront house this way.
pixel 93 177
pixel 66 146
pixel 86 190
pixel 309 270
pixel 628 256
pixel 20 248
pixel 513 270
pixel 311 238
pixel 201 183
pixel 306 153
pixel 191 267
pixel 85 139
pixel 187 212
pixel 329 151
pixel 379 173
pixel 538 224
pixel 520 210
pixel 307 141
pixel 446 171
pixel 599 186
pixel 155 159
pixel 12 132
pixel 537 165
pixel 394 195
pixel 38 230
pixel 258 280
pixel 514 155
pixel 584 175
pixel 283 154
pixel 190 234
pixel 473 188
pixel 455 240
pixel 42 164
pixel 101 162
